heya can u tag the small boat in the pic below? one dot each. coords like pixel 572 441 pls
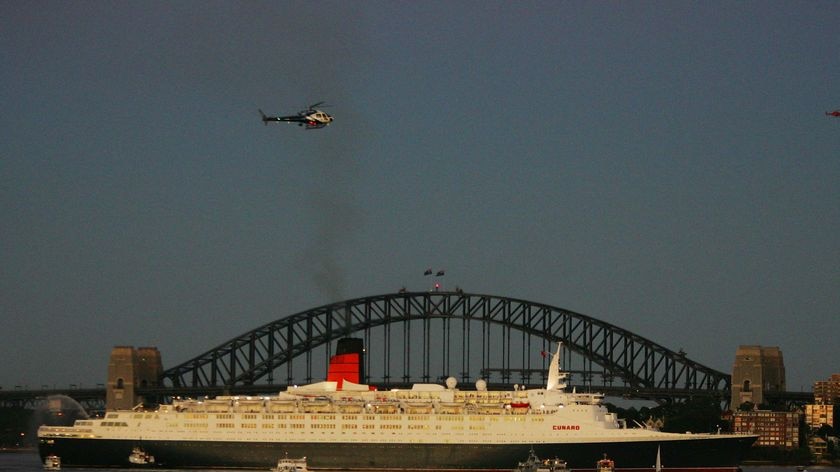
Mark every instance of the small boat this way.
pixel 534 464
pixel 140 457
pixel 52 463
pixel 605 465
pixel 288 464
pixel 553 465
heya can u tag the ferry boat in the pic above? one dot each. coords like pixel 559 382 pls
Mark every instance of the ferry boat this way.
pixel 343 424
pixel 287 464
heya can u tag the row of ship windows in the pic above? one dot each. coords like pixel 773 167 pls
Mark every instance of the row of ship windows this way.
pixel 424 418
pixel 412 427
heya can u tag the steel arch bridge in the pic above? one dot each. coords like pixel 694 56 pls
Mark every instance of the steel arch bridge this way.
pixel 428 336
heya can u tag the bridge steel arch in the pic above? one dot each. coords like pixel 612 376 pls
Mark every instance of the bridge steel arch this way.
pixel 430 321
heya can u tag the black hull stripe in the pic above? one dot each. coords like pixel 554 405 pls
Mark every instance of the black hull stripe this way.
pixel 703 454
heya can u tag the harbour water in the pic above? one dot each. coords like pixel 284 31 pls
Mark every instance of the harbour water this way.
pixel 29 462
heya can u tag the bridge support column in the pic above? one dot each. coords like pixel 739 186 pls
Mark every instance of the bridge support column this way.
pixel 757 371
pixel 130 369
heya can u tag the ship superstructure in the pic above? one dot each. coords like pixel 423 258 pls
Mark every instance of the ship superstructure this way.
pixel 340 424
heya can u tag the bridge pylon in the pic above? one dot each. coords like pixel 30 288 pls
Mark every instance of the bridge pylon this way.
pixel 130 370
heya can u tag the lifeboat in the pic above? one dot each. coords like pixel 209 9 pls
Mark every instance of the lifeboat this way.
pixel 350 406
pixel 316 406
pixel 282 406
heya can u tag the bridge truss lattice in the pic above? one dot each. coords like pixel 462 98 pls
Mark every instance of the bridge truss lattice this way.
pixel 428 336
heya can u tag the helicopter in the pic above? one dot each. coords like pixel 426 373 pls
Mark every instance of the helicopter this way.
pixel 835 113
pixel 311 118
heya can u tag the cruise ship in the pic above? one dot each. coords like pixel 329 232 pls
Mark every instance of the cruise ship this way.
pixel 341 424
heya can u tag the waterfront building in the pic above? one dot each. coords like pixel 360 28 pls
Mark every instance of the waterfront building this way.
pixel 757 370
pixel 818 446
pixel 818 415
pixel 775 428
pixel 826 392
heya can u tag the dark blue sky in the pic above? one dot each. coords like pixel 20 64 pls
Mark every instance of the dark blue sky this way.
pixel 663 166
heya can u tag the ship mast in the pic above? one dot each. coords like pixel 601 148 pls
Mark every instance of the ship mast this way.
pixel 556 378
